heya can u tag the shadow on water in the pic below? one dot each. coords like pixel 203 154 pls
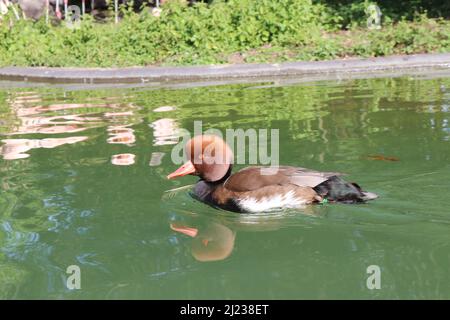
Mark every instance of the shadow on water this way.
pixel 83 182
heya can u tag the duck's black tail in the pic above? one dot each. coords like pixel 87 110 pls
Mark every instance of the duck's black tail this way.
pixel 336 189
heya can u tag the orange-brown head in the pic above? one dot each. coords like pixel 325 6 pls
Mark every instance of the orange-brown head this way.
pixel 209 157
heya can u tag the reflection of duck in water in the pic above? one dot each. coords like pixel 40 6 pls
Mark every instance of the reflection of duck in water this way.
pixel 213 238
pixel 212 243
pixel 258 189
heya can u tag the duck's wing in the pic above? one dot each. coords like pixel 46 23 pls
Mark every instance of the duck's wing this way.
pixel 253 178
pixel 307 177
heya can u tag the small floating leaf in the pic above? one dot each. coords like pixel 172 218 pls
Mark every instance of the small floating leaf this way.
pixel 382 158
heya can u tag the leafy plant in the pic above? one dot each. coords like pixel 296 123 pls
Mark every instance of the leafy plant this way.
pixel 264 30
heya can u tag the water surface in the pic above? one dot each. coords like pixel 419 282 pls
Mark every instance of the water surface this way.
pixel 83 183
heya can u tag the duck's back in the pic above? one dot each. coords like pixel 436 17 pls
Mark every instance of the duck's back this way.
pixel 328 185
pixel 253 178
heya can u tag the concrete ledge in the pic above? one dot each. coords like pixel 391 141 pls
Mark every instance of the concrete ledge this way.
pixel 222 72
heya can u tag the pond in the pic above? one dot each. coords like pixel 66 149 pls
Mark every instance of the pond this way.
pixel 83 182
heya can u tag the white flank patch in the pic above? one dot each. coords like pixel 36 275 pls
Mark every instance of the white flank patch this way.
pixel 287 200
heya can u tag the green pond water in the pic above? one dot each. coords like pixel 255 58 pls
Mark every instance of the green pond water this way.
pixel 83 182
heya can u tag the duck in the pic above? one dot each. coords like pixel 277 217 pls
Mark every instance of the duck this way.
pixel 260 188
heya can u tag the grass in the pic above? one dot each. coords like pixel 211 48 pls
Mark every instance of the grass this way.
pixel 233 31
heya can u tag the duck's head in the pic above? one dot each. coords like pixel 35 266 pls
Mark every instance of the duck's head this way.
pixel 209 156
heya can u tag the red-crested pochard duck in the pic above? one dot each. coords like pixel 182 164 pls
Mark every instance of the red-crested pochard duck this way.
pixel 259 189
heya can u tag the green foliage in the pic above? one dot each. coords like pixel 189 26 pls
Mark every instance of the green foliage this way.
pixel 263 30
pixel 405 38
pixel 352 12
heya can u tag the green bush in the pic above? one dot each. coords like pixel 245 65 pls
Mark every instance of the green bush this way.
pixel 263 30
pixel 352 12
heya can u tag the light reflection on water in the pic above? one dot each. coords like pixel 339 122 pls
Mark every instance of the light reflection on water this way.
pixel 39 119
pixel 16 148
pixel 83 182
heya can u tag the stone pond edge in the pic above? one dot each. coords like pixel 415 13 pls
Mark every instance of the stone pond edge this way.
pixel 343 67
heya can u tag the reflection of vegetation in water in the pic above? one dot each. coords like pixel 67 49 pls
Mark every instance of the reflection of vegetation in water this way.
pixel 22 215
pixel 7 116
pixel 11 278
pixel 21 202
pixel 264 106
pixel 301 111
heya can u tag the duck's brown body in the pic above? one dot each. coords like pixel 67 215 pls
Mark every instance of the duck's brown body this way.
pixel 258 189
pixel 254 190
